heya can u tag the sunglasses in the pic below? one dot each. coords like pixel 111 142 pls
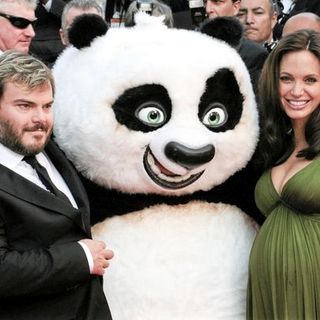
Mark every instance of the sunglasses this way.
pixel 18 22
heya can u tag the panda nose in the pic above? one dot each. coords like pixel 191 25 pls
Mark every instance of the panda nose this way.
pixel 187 157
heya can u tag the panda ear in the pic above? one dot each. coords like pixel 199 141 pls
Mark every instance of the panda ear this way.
pixel 228 29
pixel 85 28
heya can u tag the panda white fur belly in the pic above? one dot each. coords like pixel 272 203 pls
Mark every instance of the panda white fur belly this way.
pixel 171 113
pixel 184 262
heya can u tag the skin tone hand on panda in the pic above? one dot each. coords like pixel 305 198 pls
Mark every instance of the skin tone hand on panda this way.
pixel 100 255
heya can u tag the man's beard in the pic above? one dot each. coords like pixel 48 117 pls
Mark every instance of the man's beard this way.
pixel 12 140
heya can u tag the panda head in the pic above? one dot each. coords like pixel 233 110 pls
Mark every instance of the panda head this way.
pixel 149 109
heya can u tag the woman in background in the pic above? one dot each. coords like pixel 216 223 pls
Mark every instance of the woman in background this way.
pixel 284 270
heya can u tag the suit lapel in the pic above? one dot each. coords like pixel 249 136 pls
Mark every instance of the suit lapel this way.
pixel 22 188
pixel 72 180
pixel 68 173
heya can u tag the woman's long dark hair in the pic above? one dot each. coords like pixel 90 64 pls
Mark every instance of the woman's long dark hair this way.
pixel 277 140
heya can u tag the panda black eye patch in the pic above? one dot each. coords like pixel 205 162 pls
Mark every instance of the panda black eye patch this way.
pixel 143 108
pixel 221 104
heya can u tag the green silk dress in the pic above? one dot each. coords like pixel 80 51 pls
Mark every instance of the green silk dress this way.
pixel 284 267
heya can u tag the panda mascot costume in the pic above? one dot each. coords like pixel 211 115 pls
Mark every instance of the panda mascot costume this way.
pixel 160 123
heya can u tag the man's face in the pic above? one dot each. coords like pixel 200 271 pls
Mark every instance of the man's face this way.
pixel 12 37
pixel 219 8
pixel 258 19
pixel 26 118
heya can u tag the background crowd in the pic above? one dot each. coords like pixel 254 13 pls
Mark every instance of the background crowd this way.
pixel 42 27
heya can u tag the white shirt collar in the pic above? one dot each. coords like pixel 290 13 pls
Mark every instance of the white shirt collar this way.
pixel 9 158
pixel 13 161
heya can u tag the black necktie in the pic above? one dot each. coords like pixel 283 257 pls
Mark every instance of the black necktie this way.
pixel 44 177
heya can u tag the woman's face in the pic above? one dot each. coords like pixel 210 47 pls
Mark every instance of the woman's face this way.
pixel 299 84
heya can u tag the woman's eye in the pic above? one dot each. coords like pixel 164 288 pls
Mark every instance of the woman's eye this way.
pixel 311 80
pixel 215 116
pixel 285 79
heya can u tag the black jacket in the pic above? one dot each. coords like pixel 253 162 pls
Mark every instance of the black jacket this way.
pixel 44 272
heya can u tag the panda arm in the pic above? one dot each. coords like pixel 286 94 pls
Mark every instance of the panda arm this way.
pixel 238 190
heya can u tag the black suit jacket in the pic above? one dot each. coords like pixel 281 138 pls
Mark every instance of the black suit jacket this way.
pixel 44 272
pixel 46 44
pixel 305 6
pixel 254 56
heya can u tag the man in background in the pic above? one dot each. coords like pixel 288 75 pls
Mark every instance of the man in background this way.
pixel 259 17
pixel 16 24
pixel 219 8
pixel 46 45
pixel 76 8
pixel 304 20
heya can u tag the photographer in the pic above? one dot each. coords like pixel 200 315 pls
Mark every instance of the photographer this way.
pixel 152 7
pixel 116 10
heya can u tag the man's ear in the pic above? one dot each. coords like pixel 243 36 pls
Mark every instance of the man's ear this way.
pixel 236 6
pixel 274 19
pixel 63 37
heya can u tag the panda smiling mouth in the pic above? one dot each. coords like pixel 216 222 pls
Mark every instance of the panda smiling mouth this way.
pixel 164 177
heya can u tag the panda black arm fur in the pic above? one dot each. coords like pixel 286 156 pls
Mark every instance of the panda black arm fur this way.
pixel 238 190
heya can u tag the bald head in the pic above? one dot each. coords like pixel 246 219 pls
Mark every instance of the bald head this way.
pixel 304 20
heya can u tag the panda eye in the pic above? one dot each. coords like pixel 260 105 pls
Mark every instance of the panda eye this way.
pixel 151 114
pixel 215 116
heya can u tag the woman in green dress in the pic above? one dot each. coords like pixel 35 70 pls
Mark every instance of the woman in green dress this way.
pixel 284 269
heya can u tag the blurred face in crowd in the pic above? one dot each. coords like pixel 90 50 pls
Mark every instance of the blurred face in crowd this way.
pixel 305 20
pixel 11 35
pixel 299 84
pixel 26 117
pixel 219 8
pixel 71 14
pixel 258 19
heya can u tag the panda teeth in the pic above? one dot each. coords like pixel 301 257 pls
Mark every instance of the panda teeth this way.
pixel 174 179
pixel 153 165
pixel 165 178
pixel 157 171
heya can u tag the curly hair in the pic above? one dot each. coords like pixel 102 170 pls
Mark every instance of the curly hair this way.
pixel 23 69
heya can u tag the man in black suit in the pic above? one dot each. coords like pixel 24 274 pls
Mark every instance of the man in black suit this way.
pixel 50 268
pixel 47 45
